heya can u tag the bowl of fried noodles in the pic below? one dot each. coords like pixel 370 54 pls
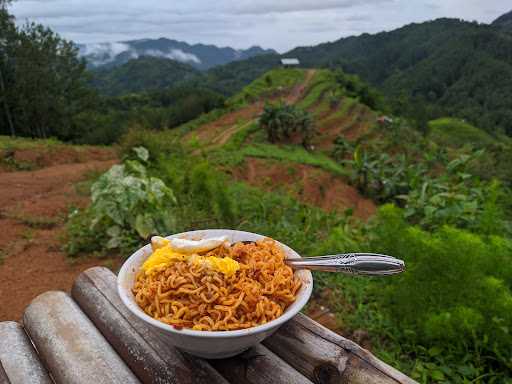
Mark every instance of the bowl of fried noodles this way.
pixel 213 293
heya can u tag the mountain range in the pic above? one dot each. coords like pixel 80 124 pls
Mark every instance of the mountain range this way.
pixel 444 67
pixel 199 56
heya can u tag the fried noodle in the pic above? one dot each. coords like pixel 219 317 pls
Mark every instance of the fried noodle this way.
pixel 184 294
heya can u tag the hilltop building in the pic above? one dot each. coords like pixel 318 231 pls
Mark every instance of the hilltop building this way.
pixel 290 62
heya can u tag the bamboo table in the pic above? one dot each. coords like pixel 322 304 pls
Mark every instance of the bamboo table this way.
pixel 90 337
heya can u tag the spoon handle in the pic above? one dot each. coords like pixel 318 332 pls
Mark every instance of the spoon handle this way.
pixel 370 264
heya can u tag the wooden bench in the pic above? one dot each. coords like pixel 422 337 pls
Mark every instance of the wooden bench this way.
pixel 90 337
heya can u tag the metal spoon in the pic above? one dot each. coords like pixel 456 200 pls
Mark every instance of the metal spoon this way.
pixel 369 264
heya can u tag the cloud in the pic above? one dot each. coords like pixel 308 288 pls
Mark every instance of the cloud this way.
pixel 278 24
pixel 272 6
pixel 174 54
pixel 104 49
pixel 102 53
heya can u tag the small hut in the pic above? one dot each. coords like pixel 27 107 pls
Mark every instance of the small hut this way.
pixel 290 62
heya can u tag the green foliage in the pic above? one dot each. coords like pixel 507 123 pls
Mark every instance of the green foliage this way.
pixel 283 121
pixel 456 198
pixel 381 176
pixel 322 82
pixel 294 154
pixel 453 296
pixel 271 82
pixel 341 149
pixel 446 67
pixel 454 132
pixel 210 193
pixel 356 88
pixel 229 79
pixel 128 205
pixel 42 82
pixel 142 74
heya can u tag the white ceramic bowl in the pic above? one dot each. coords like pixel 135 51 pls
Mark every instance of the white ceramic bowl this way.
pixel 207 344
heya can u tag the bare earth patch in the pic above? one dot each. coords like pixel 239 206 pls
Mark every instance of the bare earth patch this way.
pixel 309 184
pixel 46 156
pixel 34 205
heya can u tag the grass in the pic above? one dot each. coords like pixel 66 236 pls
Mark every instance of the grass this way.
pixel 454 132
pixel 236 141
pixel 35 222
pixel 320 83
pixel 205 118
pixel 271 81
pixel 15 143
pixel 83 188
pixel 343 109
pixel 295 154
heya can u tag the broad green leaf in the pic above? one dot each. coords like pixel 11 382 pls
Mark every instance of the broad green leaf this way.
pixel 144 225
pixel 142 153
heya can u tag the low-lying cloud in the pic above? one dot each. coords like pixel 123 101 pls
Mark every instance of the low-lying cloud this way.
pixel 103 53
pixel 174 54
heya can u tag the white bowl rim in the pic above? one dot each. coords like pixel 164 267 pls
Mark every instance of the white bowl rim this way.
pixel 299 302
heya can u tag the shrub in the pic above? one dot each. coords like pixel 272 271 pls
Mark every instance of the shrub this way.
pixel 157 143
pixel 455 293
pixel 282 121
pixel 127 206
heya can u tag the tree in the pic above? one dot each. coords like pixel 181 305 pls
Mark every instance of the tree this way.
pixel 282 121
pixel 6 31
pixel 42 81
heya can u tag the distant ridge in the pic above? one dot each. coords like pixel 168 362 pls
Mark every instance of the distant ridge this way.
pixel 142 74
pixel 504 20
pixel 200 56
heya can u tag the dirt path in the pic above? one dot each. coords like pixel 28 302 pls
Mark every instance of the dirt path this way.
pixel 224 137
pixel 297 92
pixel 33 207
pixel 219 132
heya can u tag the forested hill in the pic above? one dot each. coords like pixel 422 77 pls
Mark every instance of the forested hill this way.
pixel 144 73
pixel 504 21
pixel 446 66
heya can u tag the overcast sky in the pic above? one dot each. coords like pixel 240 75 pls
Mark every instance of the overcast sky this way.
pixel 278 24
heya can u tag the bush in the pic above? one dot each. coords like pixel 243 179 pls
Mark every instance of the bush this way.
pixel 456 293
pixel 128 206
pixel 157 144
pixel 282 121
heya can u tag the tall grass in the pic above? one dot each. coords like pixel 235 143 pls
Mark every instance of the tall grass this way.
pixel 455 132
pixel 296 155
pixel 274 80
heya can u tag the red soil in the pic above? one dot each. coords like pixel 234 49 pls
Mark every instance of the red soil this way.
pixel 308 184
pixel 211 133
pixel 298 91
pixel 218 133
pixel 33 207
pixel 354 124
pixel 39 157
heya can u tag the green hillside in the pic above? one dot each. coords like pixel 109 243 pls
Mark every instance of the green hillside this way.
pixel 451 67
pixel 454 132
pixel 357 185
pixel 313 157
pixel 445 67
pixel 142 74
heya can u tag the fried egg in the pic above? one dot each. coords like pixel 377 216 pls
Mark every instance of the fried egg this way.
pixel 167 251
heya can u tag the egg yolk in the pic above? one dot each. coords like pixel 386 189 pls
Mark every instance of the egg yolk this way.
pixel 163 256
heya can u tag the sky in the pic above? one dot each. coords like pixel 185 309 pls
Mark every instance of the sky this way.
pixel 278 24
